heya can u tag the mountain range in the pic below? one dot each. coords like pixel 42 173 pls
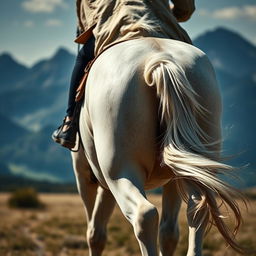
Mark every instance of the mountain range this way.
pixel 33 102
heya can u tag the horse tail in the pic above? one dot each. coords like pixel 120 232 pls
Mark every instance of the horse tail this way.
pixel 184 151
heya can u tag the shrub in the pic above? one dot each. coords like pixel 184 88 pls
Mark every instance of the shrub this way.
pixel 25 198
pixel 75 242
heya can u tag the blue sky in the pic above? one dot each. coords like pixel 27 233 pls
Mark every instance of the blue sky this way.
pixel 35 29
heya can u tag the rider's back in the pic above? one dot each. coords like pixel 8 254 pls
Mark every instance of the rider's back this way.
pixel 119 20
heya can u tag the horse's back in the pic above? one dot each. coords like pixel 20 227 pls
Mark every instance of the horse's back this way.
pixel 121 61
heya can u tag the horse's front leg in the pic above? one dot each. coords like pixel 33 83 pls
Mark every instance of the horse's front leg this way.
pixel 97 225
pixel 169 227
pixel 99 204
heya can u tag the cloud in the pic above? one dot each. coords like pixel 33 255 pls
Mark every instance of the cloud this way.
pixel 46 6
pixel 232 13
pixel 53 23
pixel 29 23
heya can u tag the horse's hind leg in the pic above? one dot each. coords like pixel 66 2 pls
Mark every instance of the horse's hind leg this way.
pixel 169 226
pixel 99 204
pixel 130 196
pixel 210 123
pixel 197 221
pixel 123 114
pixel 125 179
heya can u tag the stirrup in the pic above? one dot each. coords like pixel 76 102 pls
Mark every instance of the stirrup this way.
pixel 65 138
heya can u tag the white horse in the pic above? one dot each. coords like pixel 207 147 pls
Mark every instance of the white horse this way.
pixel 151 118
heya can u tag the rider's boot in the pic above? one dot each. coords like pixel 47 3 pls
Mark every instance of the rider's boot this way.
pixel 65 135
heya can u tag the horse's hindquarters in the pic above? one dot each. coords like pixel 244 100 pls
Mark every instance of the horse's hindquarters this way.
pixel 122 110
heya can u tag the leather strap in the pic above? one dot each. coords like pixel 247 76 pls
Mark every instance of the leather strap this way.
pixel 84 37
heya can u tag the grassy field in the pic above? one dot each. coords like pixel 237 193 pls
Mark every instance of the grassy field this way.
pixel 59 229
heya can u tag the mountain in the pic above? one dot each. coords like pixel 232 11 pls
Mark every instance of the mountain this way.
pixel 10 131
pixel 4 170
pixel 34 155
pixel 229 52
pixel 32 106
pixel 9 183
pixel 38 99
pixel 30 110
pixel 11 72
pixel 235 66
pixel 234 60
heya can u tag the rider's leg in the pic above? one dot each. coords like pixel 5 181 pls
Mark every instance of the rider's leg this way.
pixel 85 55
pixel 169 226
pixel 66 133
pixel 98 203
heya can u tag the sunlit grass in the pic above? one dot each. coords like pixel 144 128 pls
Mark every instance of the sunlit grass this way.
pixel 60 228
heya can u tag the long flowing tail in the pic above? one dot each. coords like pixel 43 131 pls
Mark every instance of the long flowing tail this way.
pixel 184 147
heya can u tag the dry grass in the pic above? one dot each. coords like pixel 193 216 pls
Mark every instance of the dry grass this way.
pixel 60 229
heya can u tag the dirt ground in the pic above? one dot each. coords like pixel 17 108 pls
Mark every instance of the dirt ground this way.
pixel 60 229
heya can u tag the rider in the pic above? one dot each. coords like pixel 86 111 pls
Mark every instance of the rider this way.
pixel 66 133
pixel 95 19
